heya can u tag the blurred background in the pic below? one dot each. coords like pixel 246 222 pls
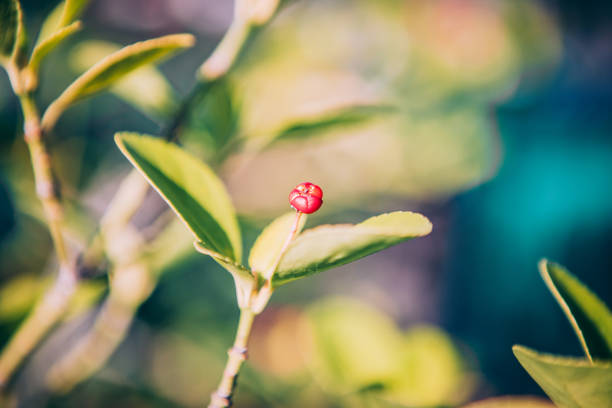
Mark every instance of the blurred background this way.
pixel 492 118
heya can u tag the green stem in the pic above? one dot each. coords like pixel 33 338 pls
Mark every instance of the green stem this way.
pixel 47 187
pixel 222 397
pixel 52 306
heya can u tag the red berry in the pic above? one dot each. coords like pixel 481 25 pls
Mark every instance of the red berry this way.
pixel 306 198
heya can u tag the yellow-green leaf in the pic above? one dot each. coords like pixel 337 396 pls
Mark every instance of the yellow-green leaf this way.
pixel 569 382
pixel 589 316
pixel 146 88
pixel 328 246
pixel 191 189
pixel 45 47
pixel 267 248
pixel 63 15
pixel 113 68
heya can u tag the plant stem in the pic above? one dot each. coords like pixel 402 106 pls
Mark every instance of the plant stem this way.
pixel 53 305
pixel 47 187
pixel 222 397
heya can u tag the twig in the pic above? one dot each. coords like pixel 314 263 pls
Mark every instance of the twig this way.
pixel 131 285
pixel 54 303
pixel 222 397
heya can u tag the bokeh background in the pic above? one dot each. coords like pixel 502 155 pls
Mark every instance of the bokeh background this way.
pixel 490 117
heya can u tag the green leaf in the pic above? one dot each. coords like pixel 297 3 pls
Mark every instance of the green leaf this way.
pixel 344 116
pixel 328 246
pixel 72 10
pixel 45 47
pixel 512 402
pixel 569 382
pixel 212 118
pixel 268 246
pixel 13 36
pixel 191 189
pixel 113 68
pixel 588 315
pixel 145 88
pixel 8 26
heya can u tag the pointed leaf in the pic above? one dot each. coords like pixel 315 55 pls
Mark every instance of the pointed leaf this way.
pixel 328 246
pixel 113 68
pixel 63 15
pixel 190 187
pixel 569 382
pixel 146 88
pixel 267 248
pixel 589 316
pixel 45 47
pixel 344 116
pixel 72 10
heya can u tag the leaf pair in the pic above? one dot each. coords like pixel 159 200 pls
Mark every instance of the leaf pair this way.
pixel 59 26
pixel 573 382
pixel 199 198
pixel 13 37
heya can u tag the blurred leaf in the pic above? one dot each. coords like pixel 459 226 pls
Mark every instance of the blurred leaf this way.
pixel 9 10
pixel 268 246
pixel 191 189
pixel 343 116
pixel 18 295
pixel 45 47
pixel 213 117
pixel 512 402
pixel 64 14
pixel 569 382
pixel 355 346
pixel 589 316
pixel 72 10
pixel 433 372
pixel 113 68
pixel 328 246
pixel 146 88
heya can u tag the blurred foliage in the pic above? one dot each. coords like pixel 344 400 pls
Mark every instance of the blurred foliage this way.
pixel 358 349
pixel 446 62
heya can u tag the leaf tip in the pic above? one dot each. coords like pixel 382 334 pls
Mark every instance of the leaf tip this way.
pixel 184 40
